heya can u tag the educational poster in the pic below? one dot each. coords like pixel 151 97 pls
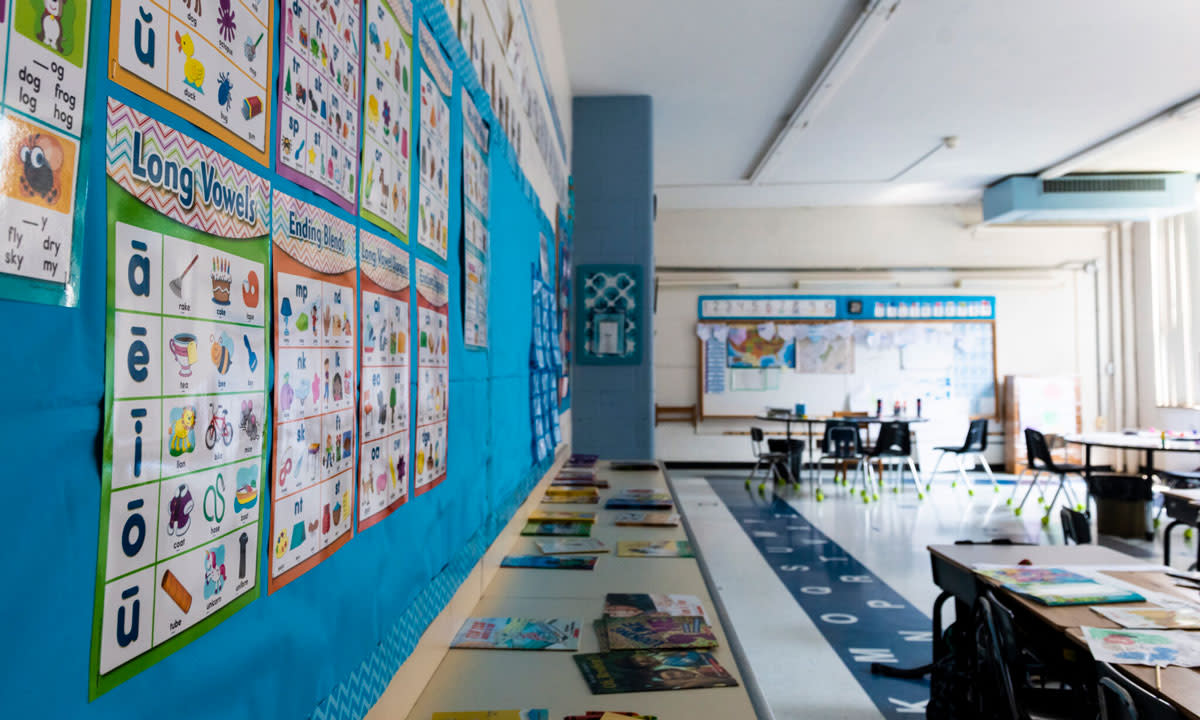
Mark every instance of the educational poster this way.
pixel 386 137
pixel 759 347
pixel 433 201
pixel 186 395
pixel 383 420
pixel 475 230
pixel 319 72
pixel 45 46
pixel 563 265
pixel 314 440
pixel 433 375
pixel 206 60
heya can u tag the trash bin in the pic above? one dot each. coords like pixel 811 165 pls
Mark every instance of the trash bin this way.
pixel 795 454
pixel 1124 505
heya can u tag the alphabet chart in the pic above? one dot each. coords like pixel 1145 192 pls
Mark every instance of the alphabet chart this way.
pixel 206 60
pixel 319 75
pixel 433 203
pixel 45 46
pixel 383 407
pixel 388 115
pixel 433 375
pixel 186 395
pixel 475 232
pixel 315 357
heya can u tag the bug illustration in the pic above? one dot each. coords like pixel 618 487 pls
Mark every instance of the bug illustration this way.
pixel 41 159
pixel 225 21
pixel 224 89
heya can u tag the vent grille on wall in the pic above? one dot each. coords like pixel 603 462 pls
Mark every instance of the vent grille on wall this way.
pixel 1104 185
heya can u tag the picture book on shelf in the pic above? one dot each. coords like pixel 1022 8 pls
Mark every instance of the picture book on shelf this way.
pixel 493 715
pixel 630 604
pixel 562 516
pixel 647 519
pixel 518 634
pixel 571 529
pixel 655 548
pixel 568 546
pixel 656 632
pixel 640 671
pixel 549 562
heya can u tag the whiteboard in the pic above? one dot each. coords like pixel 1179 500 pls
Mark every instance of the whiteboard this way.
pixel 942 362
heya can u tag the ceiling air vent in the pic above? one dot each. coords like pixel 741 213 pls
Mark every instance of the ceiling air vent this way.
pixel 1089 198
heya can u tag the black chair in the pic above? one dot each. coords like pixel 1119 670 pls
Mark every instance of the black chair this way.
pixel 1123 699
pixel 794 449
pixel 973 447
pixel 1039 451
pixel 776 463
pixel 1177 480
pixel 894 441
pixel 842 443
pixel 1005 687
pixel 1077 527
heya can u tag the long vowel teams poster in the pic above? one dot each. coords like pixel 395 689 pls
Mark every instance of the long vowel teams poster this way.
pixel 312 492
pixel 185 397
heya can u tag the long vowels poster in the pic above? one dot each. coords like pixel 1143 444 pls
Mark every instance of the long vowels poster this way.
pixel 314 440
pixel 185 396
pixel 387 115
pixel 433 198
pixel 383 408
pixel 433 376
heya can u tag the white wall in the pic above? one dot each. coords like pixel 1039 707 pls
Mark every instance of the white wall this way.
pixel 1046 320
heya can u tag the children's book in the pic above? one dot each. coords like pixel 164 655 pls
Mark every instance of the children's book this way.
pixel 577 482
pixel 562 516
pixel 620 672
pixel 548 562
pixel 657 632
pixel 581 473
pixel 1033 574
pixel 568 546
pixel 494 715
pixel 586 496
pixel 572 529
pixel 580 460
pixel 1056 586
pixel 1152 618
pixel 640 500
pixel 518 634
pixel 630 604
pixel 647 519
pixel 1143 647
pixel 659 548
pixel 601 715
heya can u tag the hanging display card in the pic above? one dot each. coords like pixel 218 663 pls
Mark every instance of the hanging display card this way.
pixel 383 459
pixel 208 61
pixel 185 395
pixel 41 119
pixel 433 375
pixel 475 230
pixel 433 202
pixel 319 74
pixel 388 114
pixel 314 440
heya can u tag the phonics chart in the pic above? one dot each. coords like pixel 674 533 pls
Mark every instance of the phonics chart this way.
pixel 433 372
pixel 475 231
pixel 312 491
pixel 383 407
pixel 45 45
pixel 387 115
pixel 207 60
pixel 186 394
pixel 433 203
pixel 319 71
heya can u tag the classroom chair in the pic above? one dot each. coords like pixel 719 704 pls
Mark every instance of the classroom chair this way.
pixel 894 442
pixel 973 447
pixel 1077 527
pixel 1121 698
pixel 1039 450
pixel 842 444
pixel 775 463
pixel 1031 465
pixel 1176 479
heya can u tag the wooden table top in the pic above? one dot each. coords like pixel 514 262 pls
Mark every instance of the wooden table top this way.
pixel 1180 686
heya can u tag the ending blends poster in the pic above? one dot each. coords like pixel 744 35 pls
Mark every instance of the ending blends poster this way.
pixel 314 440
pixel 433 376
pixel 185 397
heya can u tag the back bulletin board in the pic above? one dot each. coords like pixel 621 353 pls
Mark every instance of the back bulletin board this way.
pixel 845 352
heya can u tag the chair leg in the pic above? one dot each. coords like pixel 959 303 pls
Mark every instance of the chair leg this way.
pixel 912 467
pixel 936 465
pixel 753 472
pixel 988 469
pixel 963 474
pixel 1062 479
pixel 1021 505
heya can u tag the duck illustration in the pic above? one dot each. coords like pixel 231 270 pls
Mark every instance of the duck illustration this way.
pixel 193 71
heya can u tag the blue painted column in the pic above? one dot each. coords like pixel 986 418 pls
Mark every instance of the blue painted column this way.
pixel 612 408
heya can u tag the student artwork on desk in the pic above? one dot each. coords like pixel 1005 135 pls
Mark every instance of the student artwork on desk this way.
pixel 387 115
pixel 433 200
pixel 45 46
pixel 475 226
pixel 433 376
pixel 186 397
pixel 383 407
pixel 1143 647
pixel 319 73
pixel 207 61
pixel 312 488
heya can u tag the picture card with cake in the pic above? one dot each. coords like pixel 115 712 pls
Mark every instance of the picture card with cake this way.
pixel 320 69
pixel 312 492
pixel 210 62
pixel 185 402
pixel 383 407
pixel 45 48
pixel 433 376
pixel 387 140
pixel 433 154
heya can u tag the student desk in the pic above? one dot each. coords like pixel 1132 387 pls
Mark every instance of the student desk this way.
pixel 1121 441
pixel 953 572
pixel 811 420
pixel 1183 507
